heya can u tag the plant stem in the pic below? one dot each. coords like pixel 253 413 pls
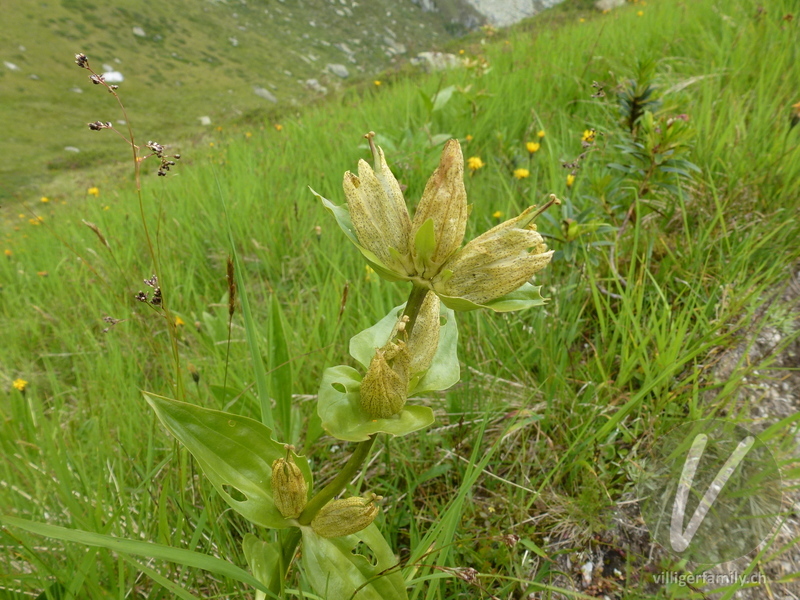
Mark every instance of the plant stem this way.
pixel 413 306
pixel 338 484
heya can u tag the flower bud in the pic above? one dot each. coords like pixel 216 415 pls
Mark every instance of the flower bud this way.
pixel 345 516
pixel 289 487
pixel 495 263
pixel 378 212
pixel 444 202
pixel 424 338
pixel 384 389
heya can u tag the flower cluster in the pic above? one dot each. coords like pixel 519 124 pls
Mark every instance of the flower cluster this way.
pixel 426 250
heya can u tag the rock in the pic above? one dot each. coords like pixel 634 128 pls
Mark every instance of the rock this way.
pixel 33 76
pixel 265 94
pixel 315 85
pixel 77 90
pixel 234 42
pixel 113 77
pixel 11 66
pixel 138 32
pixel 204 120
pixel 608 4
pixel 425 5
pixel 502 13
pixel 71 149
pixel 435 61
pixel 338 70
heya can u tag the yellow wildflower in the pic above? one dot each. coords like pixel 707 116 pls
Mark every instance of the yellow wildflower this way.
pixel 247 134
pixel 588 136
pixel 93 191
pixel 42 273
pixel 461 51
pixel 370 271
pixel 540 133
pixel 179 322
pixel 34 221
pixel 278 127
pixel 8 252
pixel 497 214
pixel 469 137
pixel 106 208
pixel 22 215
pixel 533 147
pixel 521 173
pixel 640 13
pixel 474 163
pixel 20 384
pixel 211 144
pixel 581 20
pixel 377 83
pixel 44 199
pixel 570 180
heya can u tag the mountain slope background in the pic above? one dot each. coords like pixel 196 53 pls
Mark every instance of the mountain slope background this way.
pixel 224 60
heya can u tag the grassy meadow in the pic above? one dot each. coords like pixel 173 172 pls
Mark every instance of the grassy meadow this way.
pixel 658 273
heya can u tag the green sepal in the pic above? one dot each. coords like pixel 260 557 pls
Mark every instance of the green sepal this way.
pixel 335 569
pixel 527 296
pixel 424 245
pixel 444 371
pixel 234 452
pixel 342 216
pixel 339 408
pixel 264 560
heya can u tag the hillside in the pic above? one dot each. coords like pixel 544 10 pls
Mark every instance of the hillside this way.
pixel 670 133
pixel 181 61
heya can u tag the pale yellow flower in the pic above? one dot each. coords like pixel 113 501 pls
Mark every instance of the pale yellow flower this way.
pixel 540 133
pixel 521 173
pixel 278 127
pixel 20 384
pixel 44 199
pixel 533 147
pixel 8 252
pixel 570 180
pixel 93 191
pixel 497 214
pixel 495 263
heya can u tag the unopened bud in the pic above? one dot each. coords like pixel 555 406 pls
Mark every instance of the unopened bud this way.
pixel 289 487
pixel 384 389
pixel 346 516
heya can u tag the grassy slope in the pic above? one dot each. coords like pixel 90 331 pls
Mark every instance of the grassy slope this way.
pixel 185 67
pixel 595 376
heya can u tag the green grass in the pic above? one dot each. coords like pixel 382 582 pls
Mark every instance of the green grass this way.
pixel 561 401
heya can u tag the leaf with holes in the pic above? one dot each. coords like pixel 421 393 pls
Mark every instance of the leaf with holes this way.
pixel 235 453
pixel 341 568
pixel 339 408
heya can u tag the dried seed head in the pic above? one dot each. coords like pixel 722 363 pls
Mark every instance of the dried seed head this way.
pixel 81 60
pixel 345 516
pixel 289 487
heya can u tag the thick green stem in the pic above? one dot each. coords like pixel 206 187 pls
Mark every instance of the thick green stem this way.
pixel 349 471
pixel 413 306
pixel 335 487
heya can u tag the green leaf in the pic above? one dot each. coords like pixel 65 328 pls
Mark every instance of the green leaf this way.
pixel 441 98
pixel 339 408
pixel 527 296
pixel 342 216
pixel 264 560
pixel 444 371
pixel 235 453
pixel 180 556
pixel 280 370
pixel 336 571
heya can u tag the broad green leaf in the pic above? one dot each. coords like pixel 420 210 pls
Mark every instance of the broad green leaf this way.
pixel 527 296
pixel 339 408
pixel 179 556
pixel 342 216
pixel 264 560
pixel 235 453
pixel 442 97
pixel 336 571
pixel 444 370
